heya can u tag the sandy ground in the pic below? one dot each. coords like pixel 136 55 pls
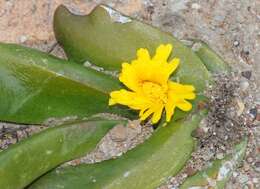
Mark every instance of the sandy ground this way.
pixel 230 27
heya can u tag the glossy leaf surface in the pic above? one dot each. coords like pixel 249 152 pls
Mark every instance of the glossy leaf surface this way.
pixel 35 87
pixel 146 166
pixel 209 58
pixel 23 162
pixel 107 39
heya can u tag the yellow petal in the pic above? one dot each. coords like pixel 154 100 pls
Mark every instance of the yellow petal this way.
pixel 179 88
pixel 157 114
pixel 169 108
pixel 184 105
pixel 163 52
pixel 143 55
pixel 173 65
pixel 130 99
pixel 142 111
pixel 111 102
pixel 175 95
pixel 129 76
pixel 188 96
pixel 146 114
pixel 122 96
pixel 150 88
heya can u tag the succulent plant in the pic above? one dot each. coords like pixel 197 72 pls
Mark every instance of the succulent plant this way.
pixel 23 162
pixel 36 87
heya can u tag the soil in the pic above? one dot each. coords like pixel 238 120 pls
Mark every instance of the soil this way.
pixel 13 133
pixel 228 121
pixel 230 27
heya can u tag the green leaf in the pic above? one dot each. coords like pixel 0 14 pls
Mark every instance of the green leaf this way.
pixel 23 162
pixel 107 39
pixel 35 87
pixel 213 62
pixel 219 171
pixel 146 166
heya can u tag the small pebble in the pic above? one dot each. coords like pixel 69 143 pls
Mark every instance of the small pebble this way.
pixel 226 137
pixel 258 117
pixel 220 156
pixel 253 112
pixel 118 133
pixel 23 38
pixel 244 85
pixel 195 6
pixel 190 171
pixel 134 124
pixel 196 47
pixel 119 154
pixel 202 105
pixel 184 175
pixel 255 180
pixel 236 43
pixel 257 169
pixel 249 159
pixel 199 132
pixel 244 54
pixel 240 105
pixel 246 74
pixel 223 148
pixel 246 167
pixel 242 178
pixel 235 174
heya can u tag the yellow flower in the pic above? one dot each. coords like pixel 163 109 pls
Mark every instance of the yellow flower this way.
pixel 150 90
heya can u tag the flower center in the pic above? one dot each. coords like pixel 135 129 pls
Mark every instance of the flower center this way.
pixel 155 91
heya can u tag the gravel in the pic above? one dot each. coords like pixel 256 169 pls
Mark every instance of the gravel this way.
pixel 13 133
pixel 116 142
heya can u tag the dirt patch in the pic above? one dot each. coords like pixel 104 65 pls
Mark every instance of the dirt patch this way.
pixel 116 142
pixel 13 133
pixel 229 119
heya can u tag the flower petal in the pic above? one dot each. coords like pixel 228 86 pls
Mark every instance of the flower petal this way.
pixel 129 76
pixel 122 96
pixel 174 63
pixel 184 105
pixel 151 90
pixel 111 102
pixel 130 99
pixel 146 114
pixel 143 55
pixel 157 114
pixel 169 108
pixel 188 96
pixel 179 88
pixel 162 53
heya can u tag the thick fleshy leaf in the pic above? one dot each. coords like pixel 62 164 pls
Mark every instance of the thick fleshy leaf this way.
pixel 35 87
pixel 218 172
pixel 146 166
pixel 165 153
pixel 213 62
pixel 23 162
pixel 107 38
